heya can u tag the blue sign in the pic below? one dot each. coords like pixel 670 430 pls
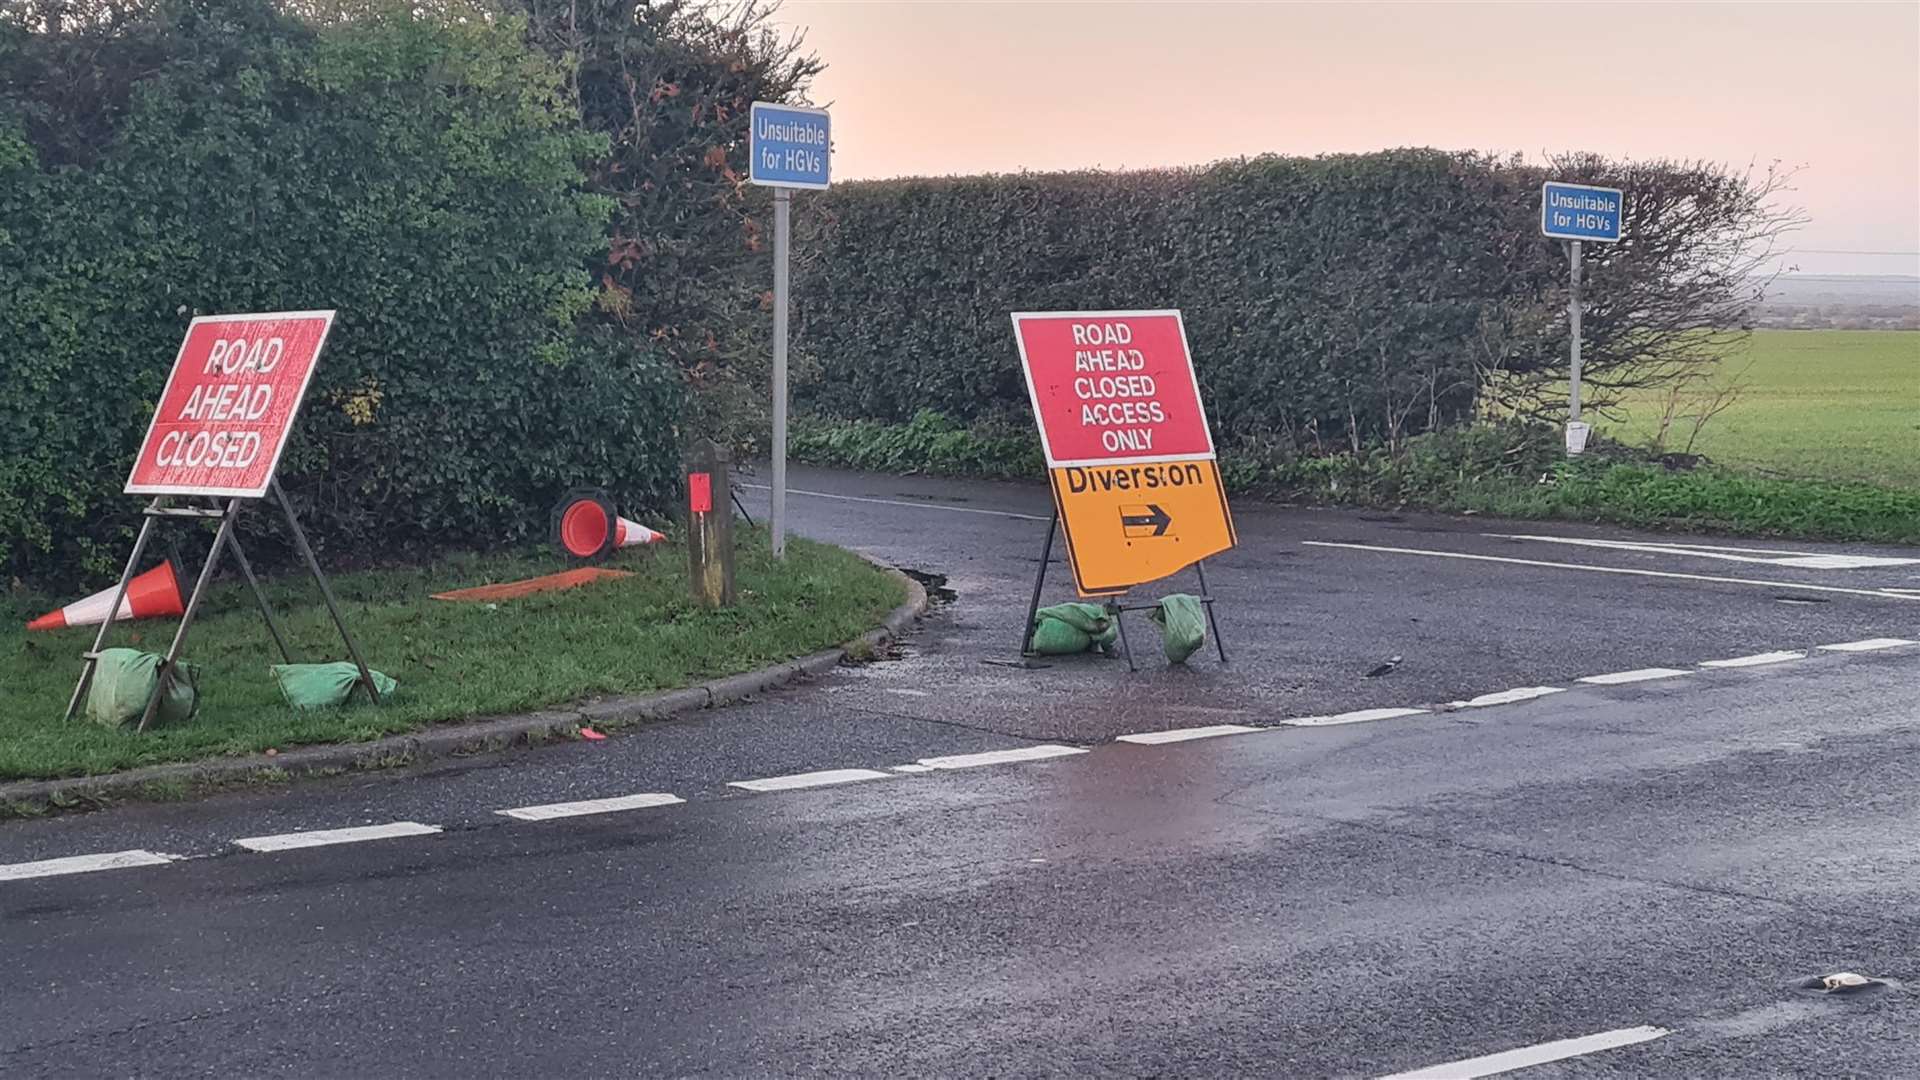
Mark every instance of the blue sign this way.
pixel 1579 212
pixel 789 146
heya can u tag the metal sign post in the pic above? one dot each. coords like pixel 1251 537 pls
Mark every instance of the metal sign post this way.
pixel 788 146
pixel 1577 212
pixel 1573 324
pixel 782 213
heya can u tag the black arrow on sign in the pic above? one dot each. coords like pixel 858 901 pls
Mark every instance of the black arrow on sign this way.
pixel 1155 519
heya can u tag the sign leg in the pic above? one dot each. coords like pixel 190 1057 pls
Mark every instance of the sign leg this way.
pixel 165 680
pixel 119 597
pixel 1039 579
pixel 1120 623
pixel 260 597
pixel 1573 326
pixel 326 591
pixel 1206 597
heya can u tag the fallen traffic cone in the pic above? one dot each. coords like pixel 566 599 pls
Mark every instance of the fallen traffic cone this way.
pixel 586 528
pixel 152 595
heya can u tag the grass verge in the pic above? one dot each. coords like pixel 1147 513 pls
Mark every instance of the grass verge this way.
pixel 1510 470
pixel 453 660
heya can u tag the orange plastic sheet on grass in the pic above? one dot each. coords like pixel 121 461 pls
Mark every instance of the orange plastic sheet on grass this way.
pixel 513 590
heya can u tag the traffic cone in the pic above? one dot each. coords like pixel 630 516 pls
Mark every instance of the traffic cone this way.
pixel 152 595
pixel 586 528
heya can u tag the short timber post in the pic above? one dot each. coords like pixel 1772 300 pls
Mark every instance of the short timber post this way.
pixel 710 525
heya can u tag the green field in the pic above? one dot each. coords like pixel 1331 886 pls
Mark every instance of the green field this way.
pixel 1819 404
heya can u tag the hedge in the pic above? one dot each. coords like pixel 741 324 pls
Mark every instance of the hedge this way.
pixel 420 173
pixel 1331 303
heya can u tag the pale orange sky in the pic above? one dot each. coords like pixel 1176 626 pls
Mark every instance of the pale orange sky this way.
pixel 964 86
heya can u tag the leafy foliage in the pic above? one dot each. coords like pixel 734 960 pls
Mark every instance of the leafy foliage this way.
pixel 687 269
pixel 1333 302
pixel 415 167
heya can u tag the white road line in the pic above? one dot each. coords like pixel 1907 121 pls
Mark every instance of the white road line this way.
pixel 1869 645
pixel 323 837
pixel 912 768
pixel 1884 594
pixel 1528 1056
pixel 1508 697
pixel 1756 659
pixel 1000 757
pixel 82 864
pixel 550 811
pixel 1360 717
pixel 1797 559
pixel 905 502
pixel 1642 675
pixel 823 778
pixel 1156 738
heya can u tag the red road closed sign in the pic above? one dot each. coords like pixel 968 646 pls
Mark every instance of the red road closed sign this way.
pixel 223 420
pixel 1112 387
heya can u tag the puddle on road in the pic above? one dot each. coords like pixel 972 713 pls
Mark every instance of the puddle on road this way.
pixel 938 595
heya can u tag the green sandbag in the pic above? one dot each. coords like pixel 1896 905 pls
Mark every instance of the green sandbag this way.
pixel 123 680
pixel 319 686
pixel 1064 629
pixel 1183 625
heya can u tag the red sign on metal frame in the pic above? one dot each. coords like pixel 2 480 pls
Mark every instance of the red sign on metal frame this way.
pixel 223 420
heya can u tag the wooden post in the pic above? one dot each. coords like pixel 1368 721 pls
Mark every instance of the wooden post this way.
pixel 710 525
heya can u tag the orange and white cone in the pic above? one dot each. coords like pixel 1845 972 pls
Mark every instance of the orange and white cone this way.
pixel 628 533
pixel 586 529
pixel 152 595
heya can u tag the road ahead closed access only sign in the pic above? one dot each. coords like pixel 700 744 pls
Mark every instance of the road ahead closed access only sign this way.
pixel 1128 449
pixel 229 404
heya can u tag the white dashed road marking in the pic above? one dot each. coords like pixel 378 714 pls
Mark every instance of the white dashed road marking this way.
pixel 1155 738
pixel 1756 660
pixel 324 837
pixel 1528 1056
pixel 82 864
pixel 1884 594
pixel 1642 675
pixel 1508 697
pixel 1000 757
pixel 823 778
pixel 1869 645
pixel 590 806
pixel 1800 560
pixel 1360 717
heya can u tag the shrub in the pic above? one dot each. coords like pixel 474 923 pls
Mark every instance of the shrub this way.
pixel 419 169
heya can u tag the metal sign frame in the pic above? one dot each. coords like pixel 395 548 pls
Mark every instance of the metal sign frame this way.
pixel 1113 605
pixel 225 506
pixel 227 512
pixel 1114 597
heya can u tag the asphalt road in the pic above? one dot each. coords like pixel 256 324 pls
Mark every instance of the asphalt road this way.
pixel 1352 888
